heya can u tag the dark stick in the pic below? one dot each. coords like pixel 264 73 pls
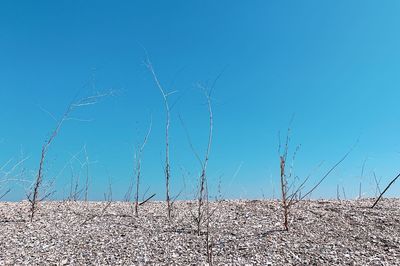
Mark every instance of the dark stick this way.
pixel 383 192
pixel 149 198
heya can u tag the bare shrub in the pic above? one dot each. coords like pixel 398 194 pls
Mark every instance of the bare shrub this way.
pixel 34 196
pixel 76 190
pixel 290 192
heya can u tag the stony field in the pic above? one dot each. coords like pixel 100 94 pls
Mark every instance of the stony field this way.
pixel 241 233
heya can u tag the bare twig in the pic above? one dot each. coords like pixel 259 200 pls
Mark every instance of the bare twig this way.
pixel 146 200
pixel 74 193
pixel 165 95
pixel 204 163
pixel 209 235
pixel 328 173
pixel 138 165
pixel 361 177
pixel 87 174
pixel 337 192
pixel 344 193
pixel 5 193
pixel 377 182
pixel 383 192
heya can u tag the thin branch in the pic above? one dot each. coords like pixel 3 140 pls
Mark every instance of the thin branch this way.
pixel 146 200
pixel 377 183
pixel 167 124
pixel 196 154
pixel 5 193
pixel 87 173
pixel 383 192
pixel 328 173
pixel 203 177
pixel 138 162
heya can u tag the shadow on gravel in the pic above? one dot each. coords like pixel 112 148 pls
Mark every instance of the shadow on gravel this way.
pixel 12 221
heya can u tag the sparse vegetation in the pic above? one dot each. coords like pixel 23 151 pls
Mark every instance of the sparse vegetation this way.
pixel 246 232
pixel 35 195
pixel 202 223
pixel 175 171
pixel 291 192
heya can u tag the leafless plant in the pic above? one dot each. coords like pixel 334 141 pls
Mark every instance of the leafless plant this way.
pixel 383 192
pixel 291 193
pixel 34 195
pixel 209 234
pixel 202 187
pixel 287 198
pixel 377 185
pixel 76 191
pixel 74 186
pixel 138 166
pixel 344 193
pixel 219 196
pixel 5 193
pixel 167 169
pixel 361 178
pixel 87 173
pixel 109 194
pixel 204 213
pixel 8 174
pixel 337 192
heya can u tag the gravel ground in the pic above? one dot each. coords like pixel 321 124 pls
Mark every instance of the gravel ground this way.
pixel 242 233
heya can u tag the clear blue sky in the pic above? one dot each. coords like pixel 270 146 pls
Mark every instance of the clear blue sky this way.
pixel 334 64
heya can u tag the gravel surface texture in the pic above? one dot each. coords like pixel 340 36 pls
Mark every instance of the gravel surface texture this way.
pixel 241 233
